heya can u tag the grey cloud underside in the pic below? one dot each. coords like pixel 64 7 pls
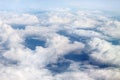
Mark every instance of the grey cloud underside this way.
pixel 62 45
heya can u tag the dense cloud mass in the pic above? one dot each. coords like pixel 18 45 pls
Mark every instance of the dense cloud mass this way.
pixel 63 45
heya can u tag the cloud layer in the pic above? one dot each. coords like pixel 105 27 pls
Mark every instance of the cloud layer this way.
pixel 61 45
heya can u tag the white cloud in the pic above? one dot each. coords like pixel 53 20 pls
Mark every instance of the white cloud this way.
pixel 104 51
pixel 31 64
pixel 24 19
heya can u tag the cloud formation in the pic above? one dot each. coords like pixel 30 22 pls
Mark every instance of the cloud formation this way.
pixel 67 46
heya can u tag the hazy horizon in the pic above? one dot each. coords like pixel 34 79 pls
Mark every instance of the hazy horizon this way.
pixel 22 5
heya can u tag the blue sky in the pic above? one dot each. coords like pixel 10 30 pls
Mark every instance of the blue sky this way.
pixel 109 5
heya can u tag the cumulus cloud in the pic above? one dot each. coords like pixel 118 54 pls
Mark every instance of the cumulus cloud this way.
pixel 90 42
pixel 24 19
pixel 108 53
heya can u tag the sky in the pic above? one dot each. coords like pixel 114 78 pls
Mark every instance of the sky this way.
pixel 108 5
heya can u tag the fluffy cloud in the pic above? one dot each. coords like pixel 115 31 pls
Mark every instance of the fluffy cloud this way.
pixel 55 35
pixel 24 19
pixel 108 53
